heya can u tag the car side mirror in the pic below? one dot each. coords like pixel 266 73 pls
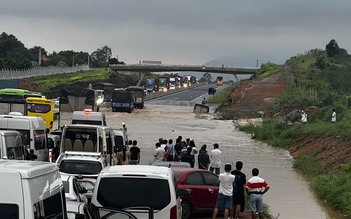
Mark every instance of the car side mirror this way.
pixel 183 192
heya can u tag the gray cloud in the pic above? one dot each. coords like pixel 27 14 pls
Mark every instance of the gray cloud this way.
pixel 182 31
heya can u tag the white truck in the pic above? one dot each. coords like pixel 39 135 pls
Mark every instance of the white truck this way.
pixel 31 190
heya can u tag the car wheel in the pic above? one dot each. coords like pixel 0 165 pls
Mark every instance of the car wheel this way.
pixel 186 209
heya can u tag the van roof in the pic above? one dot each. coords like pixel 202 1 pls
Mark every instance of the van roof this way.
pixel 136 170
pixel 87 126
pixel 9 132
pixel 21 117
pixel 28 169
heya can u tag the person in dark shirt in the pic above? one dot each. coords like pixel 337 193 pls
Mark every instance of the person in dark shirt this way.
pixel 188 157
pixel 134 153
pixel 238 190
pixel 178 149
pixel 203 158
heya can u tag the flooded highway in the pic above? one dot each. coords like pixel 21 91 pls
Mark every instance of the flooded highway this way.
pixel 289 196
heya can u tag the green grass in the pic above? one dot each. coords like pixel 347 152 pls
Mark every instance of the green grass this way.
pixel 48 82
pixel 222 96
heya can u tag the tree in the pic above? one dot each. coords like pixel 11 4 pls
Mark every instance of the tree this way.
pixel 207 77
pixel 100 57
pixel 333 49
pixel 13 54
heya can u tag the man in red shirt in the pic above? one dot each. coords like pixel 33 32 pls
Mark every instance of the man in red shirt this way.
pixel 256 187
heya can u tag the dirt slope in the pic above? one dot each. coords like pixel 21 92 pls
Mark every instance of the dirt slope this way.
pixel 253 98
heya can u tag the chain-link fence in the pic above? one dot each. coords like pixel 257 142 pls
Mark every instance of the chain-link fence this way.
pixel 8 74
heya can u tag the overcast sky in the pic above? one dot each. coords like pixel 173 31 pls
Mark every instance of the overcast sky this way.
pixel 181 31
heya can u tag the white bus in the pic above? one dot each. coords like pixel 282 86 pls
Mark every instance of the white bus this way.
pixel 33 132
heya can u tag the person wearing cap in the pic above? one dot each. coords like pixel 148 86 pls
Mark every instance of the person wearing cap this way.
pixel 203 158
pixel 216 156
pixel 225 192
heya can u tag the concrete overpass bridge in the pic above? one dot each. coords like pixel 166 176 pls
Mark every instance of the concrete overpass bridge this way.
pixel 143 68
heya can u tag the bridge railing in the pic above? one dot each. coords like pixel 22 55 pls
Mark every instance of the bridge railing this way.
pixel 176 66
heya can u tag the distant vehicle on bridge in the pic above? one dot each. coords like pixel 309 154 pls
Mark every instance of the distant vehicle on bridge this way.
pixel 219 81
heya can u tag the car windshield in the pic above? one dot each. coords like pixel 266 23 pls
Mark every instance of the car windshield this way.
pixel 132 192
pixel 80 167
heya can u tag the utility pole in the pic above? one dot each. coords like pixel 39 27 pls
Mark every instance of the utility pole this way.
pixel 73 60
pixel 39 58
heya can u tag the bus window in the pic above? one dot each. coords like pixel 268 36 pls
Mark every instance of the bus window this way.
pixel 38 108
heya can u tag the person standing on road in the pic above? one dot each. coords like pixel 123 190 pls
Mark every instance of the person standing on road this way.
pixel 225 192
pixel 238 191
pixel 187 157
pixel 333 116
pixel 193 151
pixel 203 158
pixel 256 187
pixel 159 152
pixel 134 154
pixel 178 149
pixel 216 156
pixel 122 155
pixel 170 149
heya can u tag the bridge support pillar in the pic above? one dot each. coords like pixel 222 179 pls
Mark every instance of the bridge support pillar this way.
pixel 236 77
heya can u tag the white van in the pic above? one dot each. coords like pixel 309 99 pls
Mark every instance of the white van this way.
pixel 33 133
pixel 89 117
pixel 31 190
pixel 11 146
pixel 89 138
pixel 134 187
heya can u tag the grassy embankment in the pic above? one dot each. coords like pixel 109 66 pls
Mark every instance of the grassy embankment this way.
pixel 47 83
pixel 324 83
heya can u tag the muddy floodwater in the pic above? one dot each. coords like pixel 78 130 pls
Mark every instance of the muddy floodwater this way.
pixel 289 196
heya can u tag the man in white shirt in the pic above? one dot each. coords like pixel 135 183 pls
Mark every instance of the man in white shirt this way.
pixel 215 156
pixel 225 192
pixel 159 152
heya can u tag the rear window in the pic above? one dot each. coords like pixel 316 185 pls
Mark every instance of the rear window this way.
pixel 126 192
pixel 80 167
pixel 88 122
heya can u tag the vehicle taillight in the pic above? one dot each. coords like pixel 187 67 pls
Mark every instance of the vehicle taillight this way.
pixel 173 212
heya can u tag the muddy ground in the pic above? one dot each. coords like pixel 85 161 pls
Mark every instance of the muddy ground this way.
pixel 252 99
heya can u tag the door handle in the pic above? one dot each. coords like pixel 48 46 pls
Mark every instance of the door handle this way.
pixel 210 190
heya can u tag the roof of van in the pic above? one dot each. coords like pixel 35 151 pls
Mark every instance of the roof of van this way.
pixel 22 117
pixel 87 126
pixel 28 169
pixel 136 169
pixel 9 132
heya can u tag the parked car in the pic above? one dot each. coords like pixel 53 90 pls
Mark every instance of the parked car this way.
pixel 74 191
pixel 84 165
pixel 202 187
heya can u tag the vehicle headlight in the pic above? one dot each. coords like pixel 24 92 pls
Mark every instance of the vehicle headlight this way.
pixel 99 101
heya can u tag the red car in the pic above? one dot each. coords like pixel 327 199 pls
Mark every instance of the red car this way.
pixel 202 186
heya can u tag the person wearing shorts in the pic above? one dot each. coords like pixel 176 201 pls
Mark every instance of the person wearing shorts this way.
pixel 225 199
pixel 256 187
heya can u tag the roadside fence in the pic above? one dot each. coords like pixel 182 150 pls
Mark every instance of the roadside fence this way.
pixel 10 74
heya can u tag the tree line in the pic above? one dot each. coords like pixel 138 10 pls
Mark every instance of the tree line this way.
pixel 14 55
